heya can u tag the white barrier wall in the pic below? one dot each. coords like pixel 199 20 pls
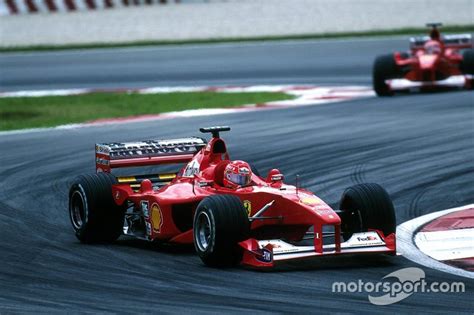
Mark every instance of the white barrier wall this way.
pixel 14 7
pixel 232 18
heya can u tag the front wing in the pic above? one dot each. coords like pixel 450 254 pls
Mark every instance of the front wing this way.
pixel 268 253
pixel 455 81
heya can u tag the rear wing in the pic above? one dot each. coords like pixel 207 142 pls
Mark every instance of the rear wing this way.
pixel 458 41
pixel 149 152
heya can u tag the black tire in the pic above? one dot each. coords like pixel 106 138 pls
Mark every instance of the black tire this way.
pixel 467 64
pixel 384 68
pixel 94 215
pixel 220 222
pixel 367 206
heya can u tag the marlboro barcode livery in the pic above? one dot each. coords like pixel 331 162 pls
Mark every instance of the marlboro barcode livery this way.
pixel 150 152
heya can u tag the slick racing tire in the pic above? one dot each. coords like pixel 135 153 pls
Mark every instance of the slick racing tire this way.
pixel 467 64
pixel 220 223
pixel 384 68
pixel 366 206
pixel 94 215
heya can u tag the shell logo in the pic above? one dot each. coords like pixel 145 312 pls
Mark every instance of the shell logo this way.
pixel 156 218
pixel 310 201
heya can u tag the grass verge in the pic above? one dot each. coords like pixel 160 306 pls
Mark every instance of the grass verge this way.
pixel 35 112
pixel 393 32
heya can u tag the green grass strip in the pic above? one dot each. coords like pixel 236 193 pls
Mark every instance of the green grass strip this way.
pixel 393 32
pixel 35 112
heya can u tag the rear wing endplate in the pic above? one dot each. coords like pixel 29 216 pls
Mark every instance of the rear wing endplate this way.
pixel 459 41
pixel 149 152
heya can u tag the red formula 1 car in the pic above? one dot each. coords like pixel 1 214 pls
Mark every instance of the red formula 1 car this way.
pixel 433 63
pixel 231 214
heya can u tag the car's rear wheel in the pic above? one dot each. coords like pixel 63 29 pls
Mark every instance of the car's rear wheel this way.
pixel 384 68
pixel 220 223
pixel 367 206
pixel 94 215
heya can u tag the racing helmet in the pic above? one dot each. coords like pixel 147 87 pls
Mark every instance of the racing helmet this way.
pixel 237 174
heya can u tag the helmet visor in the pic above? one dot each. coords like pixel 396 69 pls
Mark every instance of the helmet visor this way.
pixel 239 179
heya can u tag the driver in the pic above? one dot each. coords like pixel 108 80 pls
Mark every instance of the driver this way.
pixel 237 174
pixel 433 47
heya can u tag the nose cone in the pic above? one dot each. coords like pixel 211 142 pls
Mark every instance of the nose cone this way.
pixel 319 207
pixel 428 62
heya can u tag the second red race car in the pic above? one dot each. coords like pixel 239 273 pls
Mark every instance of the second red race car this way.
pixel 230 213
pixel 434 62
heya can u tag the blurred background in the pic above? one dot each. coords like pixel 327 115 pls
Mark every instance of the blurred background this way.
pixel 59 22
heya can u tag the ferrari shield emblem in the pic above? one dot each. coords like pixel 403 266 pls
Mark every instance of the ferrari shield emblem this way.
pixel 248 207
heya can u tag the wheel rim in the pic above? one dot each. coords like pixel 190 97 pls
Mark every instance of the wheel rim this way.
pixel 203 231
pixel 354 225
pixel 77 210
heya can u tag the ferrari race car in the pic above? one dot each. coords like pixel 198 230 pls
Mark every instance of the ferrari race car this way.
pixel 434 62
pixel 231 213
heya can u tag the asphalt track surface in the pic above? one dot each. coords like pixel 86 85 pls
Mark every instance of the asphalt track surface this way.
pixel 419 147
pixel 312 62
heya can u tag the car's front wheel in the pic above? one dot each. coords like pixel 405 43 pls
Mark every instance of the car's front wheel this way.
pixel 384 68
pixel 367 206
pixel 467 64
pixel 220 222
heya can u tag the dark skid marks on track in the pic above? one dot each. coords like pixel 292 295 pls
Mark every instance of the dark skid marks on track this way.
pixel 418 147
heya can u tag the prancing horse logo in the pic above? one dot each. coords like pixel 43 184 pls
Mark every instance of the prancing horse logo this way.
pixel 248 207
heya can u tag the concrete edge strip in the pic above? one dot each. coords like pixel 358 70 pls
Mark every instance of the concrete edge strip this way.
pixel 406 244
pixel 305 95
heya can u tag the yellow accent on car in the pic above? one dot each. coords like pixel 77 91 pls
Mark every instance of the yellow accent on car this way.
pixel 156 218
pixel 248 207
pixel 167 176
pixel 127 179
pixel 310 201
